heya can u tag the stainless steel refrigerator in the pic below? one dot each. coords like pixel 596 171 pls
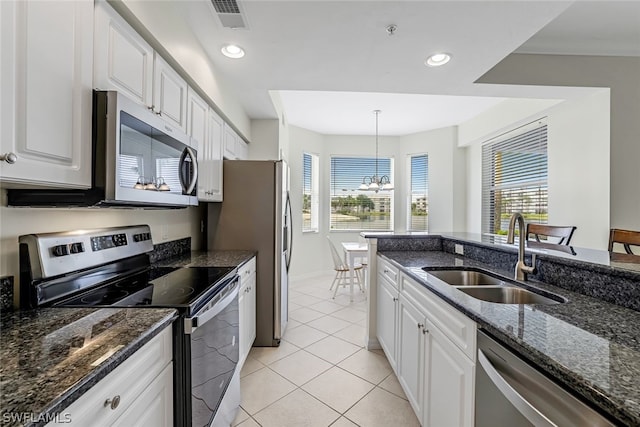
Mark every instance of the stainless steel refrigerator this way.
pixel 255 214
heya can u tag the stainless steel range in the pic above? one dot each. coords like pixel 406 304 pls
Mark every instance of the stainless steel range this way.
pixel 110 268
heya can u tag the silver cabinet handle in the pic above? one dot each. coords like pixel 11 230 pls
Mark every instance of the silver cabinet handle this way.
pixel 10 158
pixel 395 299
pixel 523 406
pixel 113 402
pixel 420 326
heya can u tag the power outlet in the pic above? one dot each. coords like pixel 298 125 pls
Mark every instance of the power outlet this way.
pixel 459 249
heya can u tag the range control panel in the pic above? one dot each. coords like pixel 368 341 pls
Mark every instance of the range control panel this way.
pixel 107 242
pixel 52 254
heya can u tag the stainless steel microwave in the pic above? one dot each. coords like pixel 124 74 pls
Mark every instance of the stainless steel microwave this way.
pixel 138 160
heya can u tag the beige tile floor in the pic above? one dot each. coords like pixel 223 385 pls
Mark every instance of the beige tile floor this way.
pixel 321 375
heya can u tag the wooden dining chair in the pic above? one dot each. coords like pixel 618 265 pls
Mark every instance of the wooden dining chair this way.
pixel 626 238
pixel 564 233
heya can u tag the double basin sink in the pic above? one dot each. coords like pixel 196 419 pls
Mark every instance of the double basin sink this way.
pixel 490 287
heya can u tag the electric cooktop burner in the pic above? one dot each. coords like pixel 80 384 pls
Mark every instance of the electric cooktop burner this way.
pixel 156 287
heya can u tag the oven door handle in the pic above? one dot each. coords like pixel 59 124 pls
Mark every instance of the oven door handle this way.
pixel 213 308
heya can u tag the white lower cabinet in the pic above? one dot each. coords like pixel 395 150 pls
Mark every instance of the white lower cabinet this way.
pixel 247 308
pixel 411 354
pixel 449 381
pixel 431 347
pixel 387 309
pixel 139 392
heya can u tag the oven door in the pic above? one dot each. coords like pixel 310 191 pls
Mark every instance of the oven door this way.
pixel 212 339
pixel 154 163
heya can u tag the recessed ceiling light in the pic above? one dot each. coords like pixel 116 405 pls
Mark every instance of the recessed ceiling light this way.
pixel 232 51
pixel 437 59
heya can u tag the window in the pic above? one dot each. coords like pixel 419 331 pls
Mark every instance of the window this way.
pixel 418 199
pixel 353 209
pixel 310 192
pixel 514 179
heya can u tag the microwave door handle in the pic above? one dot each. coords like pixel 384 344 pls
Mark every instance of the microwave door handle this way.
pixel 188 189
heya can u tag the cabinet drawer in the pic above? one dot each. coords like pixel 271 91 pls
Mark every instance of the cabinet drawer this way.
pixel 456 326
pixel 247 269
pixel 127 382
pixel 387 270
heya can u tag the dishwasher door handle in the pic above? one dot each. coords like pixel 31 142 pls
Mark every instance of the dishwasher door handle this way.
pixel 523 406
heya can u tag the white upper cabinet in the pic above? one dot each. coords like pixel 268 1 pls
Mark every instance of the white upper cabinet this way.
pixel 210 160
pixel 169 94
pixel 123 59
pixel 45 93
pixel 197 111
pixel 234 147
pixel 125 62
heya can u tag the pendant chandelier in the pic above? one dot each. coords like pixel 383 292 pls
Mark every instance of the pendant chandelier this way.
pixel 376 182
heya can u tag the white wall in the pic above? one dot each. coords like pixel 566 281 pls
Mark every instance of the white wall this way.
pixel 310 251
pixel 578 153
pixel 166 225
pixel 265 143
pixel 447 178
pixel 446 189
pixel 621 75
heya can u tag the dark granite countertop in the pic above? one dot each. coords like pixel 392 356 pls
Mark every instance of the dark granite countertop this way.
pixel 588 345
pixel 47 356
pixel 208 259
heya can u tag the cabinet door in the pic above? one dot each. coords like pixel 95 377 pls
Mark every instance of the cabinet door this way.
pixel 411 353
pixel 169 94
pixel 386 319
pixel 123 60
pixel 45 93
pixel 154 406
pixel 242 149
pixel 449 380
pixel 210 161
pixel 197 111
pixel 230 139
pixel 251 310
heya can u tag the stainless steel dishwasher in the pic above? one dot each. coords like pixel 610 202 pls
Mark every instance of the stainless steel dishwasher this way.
pixel 510 392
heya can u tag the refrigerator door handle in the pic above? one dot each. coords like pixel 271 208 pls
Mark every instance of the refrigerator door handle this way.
pixel 288 243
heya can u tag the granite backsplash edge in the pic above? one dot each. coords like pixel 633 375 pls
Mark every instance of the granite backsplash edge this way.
pixel 615 287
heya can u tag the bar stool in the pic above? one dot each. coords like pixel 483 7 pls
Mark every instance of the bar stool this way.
pixel 626 238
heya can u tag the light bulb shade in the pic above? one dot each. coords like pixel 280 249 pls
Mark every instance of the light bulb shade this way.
pixel 374 186
pixel 363 186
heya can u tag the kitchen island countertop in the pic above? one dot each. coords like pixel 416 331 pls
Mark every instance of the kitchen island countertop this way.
pixel 590 346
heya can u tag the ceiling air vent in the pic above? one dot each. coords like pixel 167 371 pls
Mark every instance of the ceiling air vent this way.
pixel 229 14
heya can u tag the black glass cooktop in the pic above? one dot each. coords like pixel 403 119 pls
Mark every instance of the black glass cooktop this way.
pixel 156 287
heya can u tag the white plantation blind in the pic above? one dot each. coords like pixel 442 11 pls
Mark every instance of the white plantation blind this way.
pixel 310 192
pixel 514 179
pixel 418 208
pixel 354 209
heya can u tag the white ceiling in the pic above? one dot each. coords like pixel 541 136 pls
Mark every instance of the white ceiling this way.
pixel 334 62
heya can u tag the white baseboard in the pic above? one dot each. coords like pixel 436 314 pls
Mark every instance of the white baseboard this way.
pixel 372 344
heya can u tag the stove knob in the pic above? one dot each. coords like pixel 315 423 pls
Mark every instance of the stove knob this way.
pixel 60 250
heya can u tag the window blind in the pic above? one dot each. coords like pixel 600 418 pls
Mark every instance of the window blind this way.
pixel 354 209
pixel 514 179
pixel 418 208
pixel 310 192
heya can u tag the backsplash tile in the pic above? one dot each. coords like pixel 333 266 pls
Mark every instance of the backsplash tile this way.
pixel 6 293
pixel 170 249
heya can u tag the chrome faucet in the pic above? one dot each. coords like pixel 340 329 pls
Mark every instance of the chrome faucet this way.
pixel 521 268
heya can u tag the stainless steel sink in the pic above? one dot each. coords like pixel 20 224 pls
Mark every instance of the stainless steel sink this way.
pixel 460 277
pixel 490 287
pixel 508 295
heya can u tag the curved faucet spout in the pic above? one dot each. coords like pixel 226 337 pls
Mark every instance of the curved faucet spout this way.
pixel 521 269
